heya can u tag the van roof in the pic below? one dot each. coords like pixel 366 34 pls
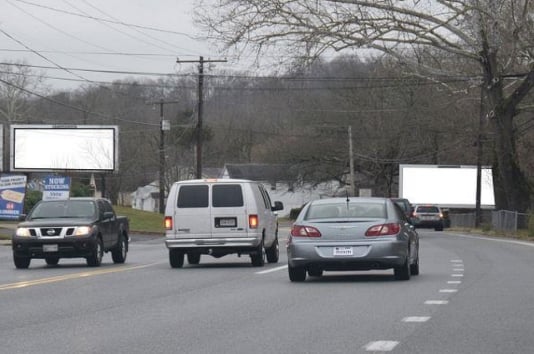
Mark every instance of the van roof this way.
pixel 214 180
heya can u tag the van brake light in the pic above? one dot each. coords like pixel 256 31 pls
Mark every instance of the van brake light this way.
pixel 253 221
pixel 168 222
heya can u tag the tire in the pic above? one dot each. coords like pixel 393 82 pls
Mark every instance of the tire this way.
pixel 95 260
pixel 296 274
pixel 315 272
pixel 52 261
pixel 193 258
pixel 119 252
pixel 258 257
pixel 273 252
pixel 403 272
pixel 414 267
pixel 176 258
pixel 21 262
pixel 439 228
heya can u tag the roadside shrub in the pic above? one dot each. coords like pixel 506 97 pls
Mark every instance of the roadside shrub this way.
pixel 486 227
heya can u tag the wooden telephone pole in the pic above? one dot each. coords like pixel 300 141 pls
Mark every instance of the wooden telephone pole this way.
pixel 201 62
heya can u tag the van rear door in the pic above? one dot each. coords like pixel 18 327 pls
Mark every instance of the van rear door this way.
pixel 192 213
pixel 228 212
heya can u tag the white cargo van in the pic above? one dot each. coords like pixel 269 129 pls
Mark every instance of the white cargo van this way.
pixel 218 217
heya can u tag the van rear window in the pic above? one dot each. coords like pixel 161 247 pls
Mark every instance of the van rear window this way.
pixel 193 197
pixel 227 195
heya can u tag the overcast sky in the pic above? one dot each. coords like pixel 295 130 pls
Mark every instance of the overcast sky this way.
pixel 73 34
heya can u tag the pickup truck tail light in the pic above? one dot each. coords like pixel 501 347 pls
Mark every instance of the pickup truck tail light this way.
pixel 168 222
pixel 304 231
pixel 253 221
pixel 383 230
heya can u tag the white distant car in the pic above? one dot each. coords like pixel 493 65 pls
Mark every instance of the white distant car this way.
pixel 218 217
pixel 429 216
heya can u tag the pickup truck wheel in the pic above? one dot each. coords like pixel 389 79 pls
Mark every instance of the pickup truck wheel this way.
pixel 193 258
pixel 118 254
pixel 176 258
pixel 273 252
pixel 21 262
pixel 52 261
pixel 96 258
pixel 258 257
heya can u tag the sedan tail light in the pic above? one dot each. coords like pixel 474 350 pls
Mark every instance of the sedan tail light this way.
pixel 304 231
pixel 383 230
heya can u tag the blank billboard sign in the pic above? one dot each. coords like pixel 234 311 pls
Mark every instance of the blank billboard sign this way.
pixel 64 148
pixel 447 186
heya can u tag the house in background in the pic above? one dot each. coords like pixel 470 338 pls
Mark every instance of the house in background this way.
pixel 279 180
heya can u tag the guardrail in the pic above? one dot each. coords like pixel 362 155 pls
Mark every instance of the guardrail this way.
pixel 501 220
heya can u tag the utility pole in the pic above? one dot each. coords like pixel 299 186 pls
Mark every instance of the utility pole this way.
pixel 478 213
pixel 351 164
pixel 200 62
pixel 163 126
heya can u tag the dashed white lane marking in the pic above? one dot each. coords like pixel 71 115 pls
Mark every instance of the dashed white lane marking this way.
pixel 381 346
pixel 436 302
pixel 448 291
pixel 272 270
pixel 456 261
pixel 416 319
pixel 458 270
pixel 454 282
pixel 457 275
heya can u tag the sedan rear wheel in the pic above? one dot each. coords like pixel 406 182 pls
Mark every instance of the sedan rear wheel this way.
pixel 403 272
pixel 296 274
pixel 414 267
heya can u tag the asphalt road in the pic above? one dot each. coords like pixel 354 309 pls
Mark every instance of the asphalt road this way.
pixel 474 295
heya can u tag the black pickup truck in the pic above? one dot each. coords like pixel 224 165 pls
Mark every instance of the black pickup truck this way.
pixel 77 227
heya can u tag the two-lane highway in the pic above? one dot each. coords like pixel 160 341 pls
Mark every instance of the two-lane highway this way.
pixel 474 295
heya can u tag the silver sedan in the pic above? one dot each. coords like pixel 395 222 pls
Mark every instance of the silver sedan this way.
pixel 339 234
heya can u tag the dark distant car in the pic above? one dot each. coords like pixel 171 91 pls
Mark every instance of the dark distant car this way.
pixel 339 234
pixel 428 216
pixel 405 205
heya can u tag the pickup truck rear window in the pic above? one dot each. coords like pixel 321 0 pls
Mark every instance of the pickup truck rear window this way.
pixel 193 196
pixel 227 195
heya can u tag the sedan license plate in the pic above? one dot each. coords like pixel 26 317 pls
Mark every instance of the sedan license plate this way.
pixel 50 248
pixel 343 251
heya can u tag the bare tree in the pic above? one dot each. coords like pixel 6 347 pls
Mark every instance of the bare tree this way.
pixel 494 35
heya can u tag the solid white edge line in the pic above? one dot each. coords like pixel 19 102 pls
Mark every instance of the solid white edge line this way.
pixel 522 243
pixel 272 270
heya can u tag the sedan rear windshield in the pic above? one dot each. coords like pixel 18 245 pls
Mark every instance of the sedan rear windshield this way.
pixel 352 210
pixel 427 209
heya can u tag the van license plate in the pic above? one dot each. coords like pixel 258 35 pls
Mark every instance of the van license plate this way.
pixel 50 248
pixel 225 222
pixel 343 251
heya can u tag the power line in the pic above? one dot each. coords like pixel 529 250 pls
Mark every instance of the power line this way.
pixel 105 20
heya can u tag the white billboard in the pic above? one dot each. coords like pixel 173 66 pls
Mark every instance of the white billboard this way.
pixel 87 148
pixel 447 186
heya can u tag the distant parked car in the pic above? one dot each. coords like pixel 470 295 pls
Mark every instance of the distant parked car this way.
pixel 429 216
pixel 352 234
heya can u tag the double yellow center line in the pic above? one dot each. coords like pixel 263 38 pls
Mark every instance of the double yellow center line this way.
pixel 42 281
